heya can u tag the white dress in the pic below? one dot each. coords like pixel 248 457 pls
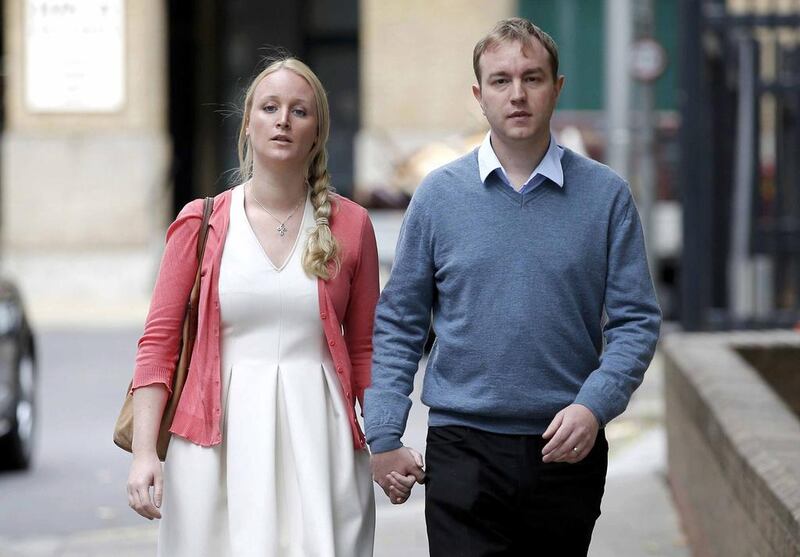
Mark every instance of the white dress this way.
pixel 286 480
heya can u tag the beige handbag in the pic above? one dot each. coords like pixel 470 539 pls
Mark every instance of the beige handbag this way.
pixel 123 430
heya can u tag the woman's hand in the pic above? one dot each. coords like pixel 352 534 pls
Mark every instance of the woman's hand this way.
pixel 146 472
pixel 148 405
pixel 400 487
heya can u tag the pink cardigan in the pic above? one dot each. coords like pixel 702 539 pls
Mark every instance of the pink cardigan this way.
pixel 346 309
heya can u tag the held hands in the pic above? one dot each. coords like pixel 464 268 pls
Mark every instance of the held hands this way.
pixel 145 472
pixel 572 434
pixel 396 472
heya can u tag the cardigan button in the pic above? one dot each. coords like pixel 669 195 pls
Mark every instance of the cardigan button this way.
pixel 340 369
pixel 331 342
pixel 323 315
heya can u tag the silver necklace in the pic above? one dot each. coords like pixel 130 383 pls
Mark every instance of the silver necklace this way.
pixel 281 228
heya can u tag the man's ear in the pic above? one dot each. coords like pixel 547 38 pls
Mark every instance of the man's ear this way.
pixel 560 85
pixel 476 92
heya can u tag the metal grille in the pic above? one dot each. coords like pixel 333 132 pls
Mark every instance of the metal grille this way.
pixel 740 173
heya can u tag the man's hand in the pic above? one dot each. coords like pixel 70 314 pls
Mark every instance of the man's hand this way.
pixel 396 471
pixel 572 434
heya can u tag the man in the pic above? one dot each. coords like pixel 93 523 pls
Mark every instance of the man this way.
pixel 528 255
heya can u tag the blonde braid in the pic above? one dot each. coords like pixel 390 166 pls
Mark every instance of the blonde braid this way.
pixel 322 249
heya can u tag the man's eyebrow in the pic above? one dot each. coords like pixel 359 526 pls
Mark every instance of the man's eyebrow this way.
pixel 503 73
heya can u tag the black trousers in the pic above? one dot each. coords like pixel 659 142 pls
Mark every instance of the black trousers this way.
pixel 490 494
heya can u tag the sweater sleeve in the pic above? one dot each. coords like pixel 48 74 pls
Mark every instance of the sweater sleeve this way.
pixel 157 354
pixel 360 314
pixel 402 320
pixel 633 319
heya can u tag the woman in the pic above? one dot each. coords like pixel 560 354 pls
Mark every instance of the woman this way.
pixel 267 457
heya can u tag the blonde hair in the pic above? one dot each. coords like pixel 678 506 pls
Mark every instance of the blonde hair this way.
pixel 322 250
pixel 515 29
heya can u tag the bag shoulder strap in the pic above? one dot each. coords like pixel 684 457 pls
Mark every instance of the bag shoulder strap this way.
pixel 208 207
pixel 202 236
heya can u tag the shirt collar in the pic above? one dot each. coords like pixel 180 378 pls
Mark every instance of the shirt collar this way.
pixel 549 167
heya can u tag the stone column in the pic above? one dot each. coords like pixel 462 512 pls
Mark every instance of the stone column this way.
pixel 85 157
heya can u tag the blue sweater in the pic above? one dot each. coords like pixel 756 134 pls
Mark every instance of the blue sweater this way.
pixel 523 290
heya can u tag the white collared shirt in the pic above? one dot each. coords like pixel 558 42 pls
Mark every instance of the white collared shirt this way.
pixel 548 168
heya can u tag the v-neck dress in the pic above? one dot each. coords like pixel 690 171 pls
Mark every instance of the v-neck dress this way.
pixel 285 481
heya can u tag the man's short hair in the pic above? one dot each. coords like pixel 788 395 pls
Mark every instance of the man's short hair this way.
pixel 515 29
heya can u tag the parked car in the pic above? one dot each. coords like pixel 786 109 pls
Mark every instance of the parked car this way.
pixel 17 382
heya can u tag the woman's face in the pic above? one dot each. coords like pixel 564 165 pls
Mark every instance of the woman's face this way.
pixel 282 123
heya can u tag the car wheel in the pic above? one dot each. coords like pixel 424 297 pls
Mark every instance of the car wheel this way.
pixel 16 447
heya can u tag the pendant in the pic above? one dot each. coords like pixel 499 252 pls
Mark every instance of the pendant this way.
pixel 281 229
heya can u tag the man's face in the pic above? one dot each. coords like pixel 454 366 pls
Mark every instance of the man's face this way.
pixel 517 92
